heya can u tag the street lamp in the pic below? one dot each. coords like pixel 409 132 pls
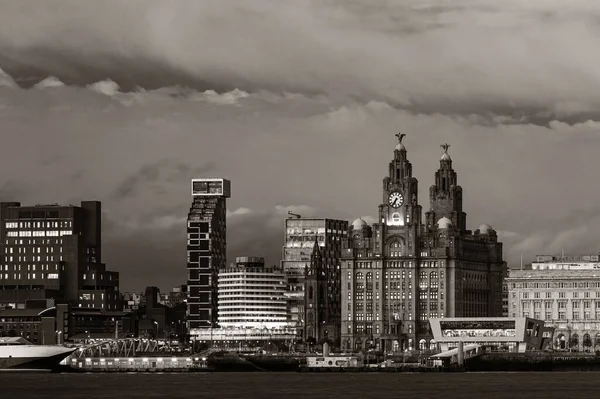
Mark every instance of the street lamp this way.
pixel 57 333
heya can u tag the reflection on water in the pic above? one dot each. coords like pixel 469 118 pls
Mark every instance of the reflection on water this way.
pixel 301 385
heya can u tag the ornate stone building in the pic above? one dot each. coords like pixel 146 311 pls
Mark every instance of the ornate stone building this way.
pixel 564 291
pixel 402 271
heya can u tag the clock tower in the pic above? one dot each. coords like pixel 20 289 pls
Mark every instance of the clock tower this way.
pixel 400 208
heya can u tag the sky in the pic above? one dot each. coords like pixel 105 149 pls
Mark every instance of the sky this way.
pixel 297 103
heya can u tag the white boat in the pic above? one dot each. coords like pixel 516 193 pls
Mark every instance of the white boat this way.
pixel 16 353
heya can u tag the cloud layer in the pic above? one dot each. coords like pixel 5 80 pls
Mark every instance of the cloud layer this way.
pixel 297 104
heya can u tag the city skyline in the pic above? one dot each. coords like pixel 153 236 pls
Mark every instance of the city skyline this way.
pixel 289 127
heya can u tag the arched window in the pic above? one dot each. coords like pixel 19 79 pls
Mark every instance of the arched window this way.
pixel 369 276
pixel 359 275
pixel 423 275
pixel 433 275
pixel 396 218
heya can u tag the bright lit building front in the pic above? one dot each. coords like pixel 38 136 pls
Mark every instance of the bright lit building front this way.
pixel 502 334
pixel 252 297
pixel 252 307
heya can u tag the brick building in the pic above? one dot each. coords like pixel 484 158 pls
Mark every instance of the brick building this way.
pixel 55 252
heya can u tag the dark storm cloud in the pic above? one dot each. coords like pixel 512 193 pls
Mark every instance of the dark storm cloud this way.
pixel 153 174
pixel 509 58
pixel 13 190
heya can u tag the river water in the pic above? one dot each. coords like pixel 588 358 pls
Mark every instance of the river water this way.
pixel 563 385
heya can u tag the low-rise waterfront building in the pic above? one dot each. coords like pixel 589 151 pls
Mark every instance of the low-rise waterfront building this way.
pixel 252 296
pixel 252 306
pixel 565 293
pixel 59 323
pixel 503 334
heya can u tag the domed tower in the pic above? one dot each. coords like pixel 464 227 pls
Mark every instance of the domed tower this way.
pixel 400 212
pixel 445 195
pixel 360 235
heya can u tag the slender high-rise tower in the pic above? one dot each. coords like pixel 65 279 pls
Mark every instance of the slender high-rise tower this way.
pixel 206 249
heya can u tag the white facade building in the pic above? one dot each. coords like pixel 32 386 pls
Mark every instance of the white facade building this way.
pixel 252 297
pixel 563 291
pixel 252 307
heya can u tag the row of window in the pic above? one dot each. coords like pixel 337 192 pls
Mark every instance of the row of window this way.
pixel 29 267
pixel 362 329
pixel 423 316
pixel 35 241
pixel 561 304
pixel 586 284
pixel 34 250
pixel 562 316
pixel 39 233
pixel 548 294
pixel 396 264
pixel 39 225
pixel 38 258
pixel 29 276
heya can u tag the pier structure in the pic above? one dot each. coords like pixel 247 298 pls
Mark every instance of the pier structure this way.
pixel 456 356
pixel 127 347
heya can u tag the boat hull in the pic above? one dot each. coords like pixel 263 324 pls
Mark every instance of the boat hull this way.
pixel 34 360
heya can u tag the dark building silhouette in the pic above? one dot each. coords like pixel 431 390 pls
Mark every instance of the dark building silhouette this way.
pixel 322 304
pixel 55 252
pixel 206 249
pixel 301 234
pixel 400 272
pixel 63 323
pixel 159 321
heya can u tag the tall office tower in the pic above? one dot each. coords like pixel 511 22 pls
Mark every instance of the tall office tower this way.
pixel 301 234
pixel 400 272
pixel 252 295
pixel 206 249
pixel 55 252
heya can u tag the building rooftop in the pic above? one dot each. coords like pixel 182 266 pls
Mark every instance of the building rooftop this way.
pixel 14 340
pixel 553 274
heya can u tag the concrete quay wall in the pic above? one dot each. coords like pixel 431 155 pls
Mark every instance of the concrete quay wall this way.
pixel 535 361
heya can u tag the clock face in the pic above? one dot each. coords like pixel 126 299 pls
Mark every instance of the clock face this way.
pixel 396 199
